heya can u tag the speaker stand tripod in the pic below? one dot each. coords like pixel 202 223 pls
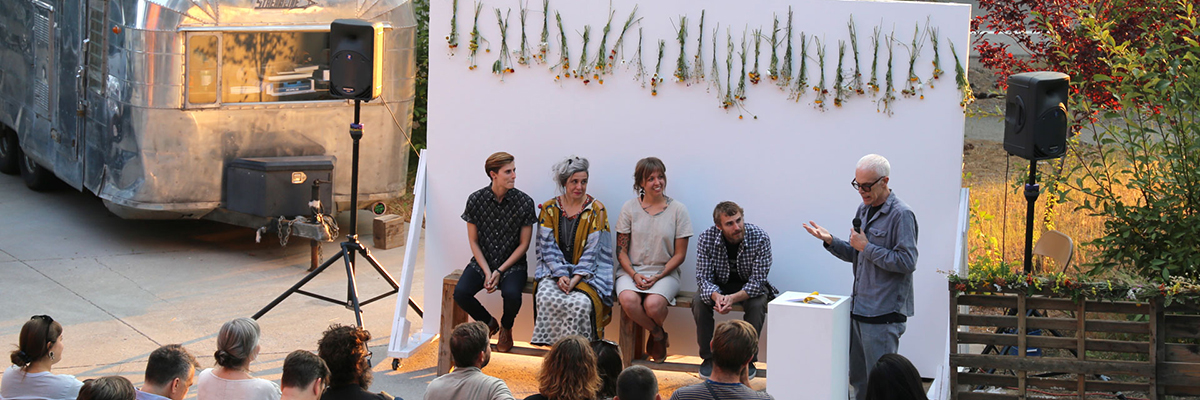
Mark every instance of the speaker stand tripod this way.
pixel 349 248
pixel 1032 190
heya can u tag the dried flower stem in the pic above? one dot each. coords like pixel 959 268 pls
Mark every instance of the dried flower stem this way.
pixel 565 54
pixel 873 83
pixel 937 58
pixel 602 64
pixel 581 73
pixel 619 45
pixel 754 75
pixel 729 100
pixel 821 90
pixel 857 84
pixel 801 86
pixel 662 45
pixel 785 71
pixel 544 45
pixel 639 67
pixel 476 38
pixel 889 96
pixel 699 68
pixel 452 38
pixel 772 70
pixel 716 69
pixel 681 68
pixel 503 64
pixel 523 56
pixel 960 78
pixel 740 94
pixel 841 88
pixel 913 85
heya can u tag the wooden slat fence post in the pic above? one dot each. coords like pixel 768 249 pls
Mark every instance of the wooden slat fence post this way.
pixel 953 344
pixel 1081 347
pixel 1022 321
pixel 1158 336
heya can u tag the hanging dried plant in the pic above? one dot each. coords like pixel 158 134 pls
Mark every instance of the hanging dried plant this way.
pixel 476 39
pixel 582 72
pixel 564 63
pixel 523 56
pixel 754 75
pixel 729 100
pixel 602 60
pixel 639 67
pixel 620 44
pixel 503 64
pixel 889 90
pixel 452 38
pixel 785 71
pixel 937 58
pixel 699 68
pixel 716 69
pixel 544 45
pixel 841 88
pixel 913 85
pixel 960 78
pixel 681 68
pixel 857 83
pixel 801 86
pixel 662 45
pixel 772 69
pixel 873 83
pixel 739 95
pixel 821 90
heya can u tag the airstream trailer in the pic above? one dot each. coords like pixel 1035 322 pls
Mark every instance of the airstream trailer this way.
pixel 150 104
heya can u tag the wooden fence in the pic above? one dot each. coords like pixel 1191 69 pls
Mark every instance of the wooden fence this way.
pixel 1089 349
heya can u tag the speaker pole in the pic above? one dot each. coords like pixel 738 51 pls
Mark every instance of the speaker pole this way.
pixel 1032 190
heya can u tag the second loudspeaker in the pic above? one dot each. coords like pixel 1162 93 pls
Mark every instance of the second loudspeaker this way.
pixel 356 59
pixel 1035 117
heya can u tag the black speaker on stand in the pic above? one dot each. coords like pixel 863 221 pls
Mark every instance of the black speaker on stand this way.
pixel 355 69
pixel 1035 128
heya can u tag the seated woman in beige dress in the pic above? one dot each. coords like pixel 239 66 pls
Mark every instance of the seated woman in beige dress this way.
pixel 652 239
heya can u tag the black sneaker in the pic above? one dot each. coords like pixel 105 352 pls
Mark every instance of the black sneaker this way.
pixel 753 371
pixel 706 368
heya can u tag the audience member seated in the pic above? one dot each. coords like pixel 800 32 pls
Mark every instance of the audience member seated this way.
pixel 170 372
pixel 471 352
pixel 568 372
pixel 107 388
pixel 304 376
pixel 237 347
pixel 39 347
pixel 895 378
pixel 608 364
pixel 574 264
pixel 637 383
pixel 344 349
pixel 733 346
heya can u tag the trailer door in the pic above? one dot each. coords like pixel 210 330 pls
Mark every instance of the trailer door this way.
pixel 93 115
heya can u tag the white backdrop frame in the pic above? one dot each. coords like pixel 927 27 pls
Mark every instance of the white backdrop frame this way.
pixel 790 165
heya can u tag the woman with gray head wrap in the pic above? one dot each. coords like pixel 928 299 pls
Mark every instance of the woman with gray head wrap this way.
pixel 573 294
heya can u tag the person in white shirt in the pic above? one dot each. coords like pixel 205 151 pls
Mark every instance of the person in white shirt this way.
pixel 471 350
pixel 305 376
pixel 170 372
pixel 237 347
pixel 39 347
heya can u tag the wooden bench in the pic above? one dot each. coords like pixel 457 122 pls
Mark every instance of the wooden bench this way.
pixel 631 342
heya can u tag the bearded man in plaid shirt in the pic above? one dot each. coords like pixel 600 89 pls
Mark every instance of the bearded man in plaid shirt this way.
pixel 733 259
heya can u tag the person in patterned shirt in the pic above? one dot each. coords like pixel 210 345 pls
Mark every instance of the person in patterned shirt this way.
pixel 500 222
pixel 733 259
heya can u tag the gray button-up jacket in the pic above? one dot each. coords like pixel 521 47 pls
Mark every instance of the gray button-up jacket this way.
pixel 883 271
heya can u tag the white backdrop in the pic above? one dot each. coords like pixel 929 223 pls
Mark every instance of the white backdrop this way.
pixel 792 164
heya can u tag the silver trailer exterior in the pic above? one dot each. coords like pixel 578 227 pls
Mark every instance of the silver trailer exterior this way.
pixel 145 102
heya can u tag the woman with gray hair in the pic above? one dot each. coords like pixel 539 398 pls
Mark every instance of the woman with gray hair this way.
pixel 237 346
pixel 574 276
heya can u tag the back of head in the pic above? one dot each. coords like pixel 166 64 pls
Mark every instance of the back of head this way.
pixel 107 388
pixel 236 343
pixel 734 343
pixel 169 362
pixel 344 349
pixel 895 378
pixel 608 364
pixel 637 383
pixel 467 341
pixel 38 335
pixel 301 368
pixel 569 371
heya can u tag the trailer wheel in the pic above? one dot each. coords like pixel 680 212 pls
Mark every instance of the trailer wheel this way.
pixel 10 152
pixel 36 177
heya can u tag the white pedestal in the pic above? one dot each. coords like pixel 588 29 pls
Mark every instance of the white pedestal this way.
pixel 809 347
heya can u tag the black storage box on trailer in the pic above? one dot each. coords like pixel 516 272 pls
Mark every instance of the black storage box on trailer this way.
pixel 278 186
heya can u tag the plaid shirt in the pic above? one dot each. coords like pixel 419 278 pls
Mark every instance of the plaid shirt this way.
pixel 753 260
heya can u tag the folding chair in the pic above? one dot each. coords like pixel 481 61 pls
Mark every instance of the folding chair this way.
pixel 1057 246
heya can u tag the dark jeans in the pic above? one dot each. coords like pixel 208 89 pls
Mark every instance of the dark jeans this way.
pixel 756 315
pixel 511 285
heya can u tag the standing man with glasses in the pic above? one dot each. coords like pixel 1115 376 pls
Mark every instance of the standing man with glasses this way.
pixel 883 252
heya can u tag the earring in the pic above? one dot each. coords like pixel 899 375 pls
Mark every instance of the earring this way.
pixel 52 356
pixel 641 192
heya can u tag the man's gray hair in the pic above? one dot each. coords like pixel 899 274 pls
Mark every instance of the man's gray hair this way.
pixel 563 170
pixel 875 163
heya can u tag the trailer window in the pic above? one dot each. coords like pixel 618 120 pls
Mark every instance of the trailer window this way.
pixel 202 69
pixel 274 67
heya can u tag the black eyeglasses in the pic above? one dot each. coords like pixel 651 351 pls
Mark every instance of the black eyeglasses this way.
pixel 866 187
pixel 49 324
